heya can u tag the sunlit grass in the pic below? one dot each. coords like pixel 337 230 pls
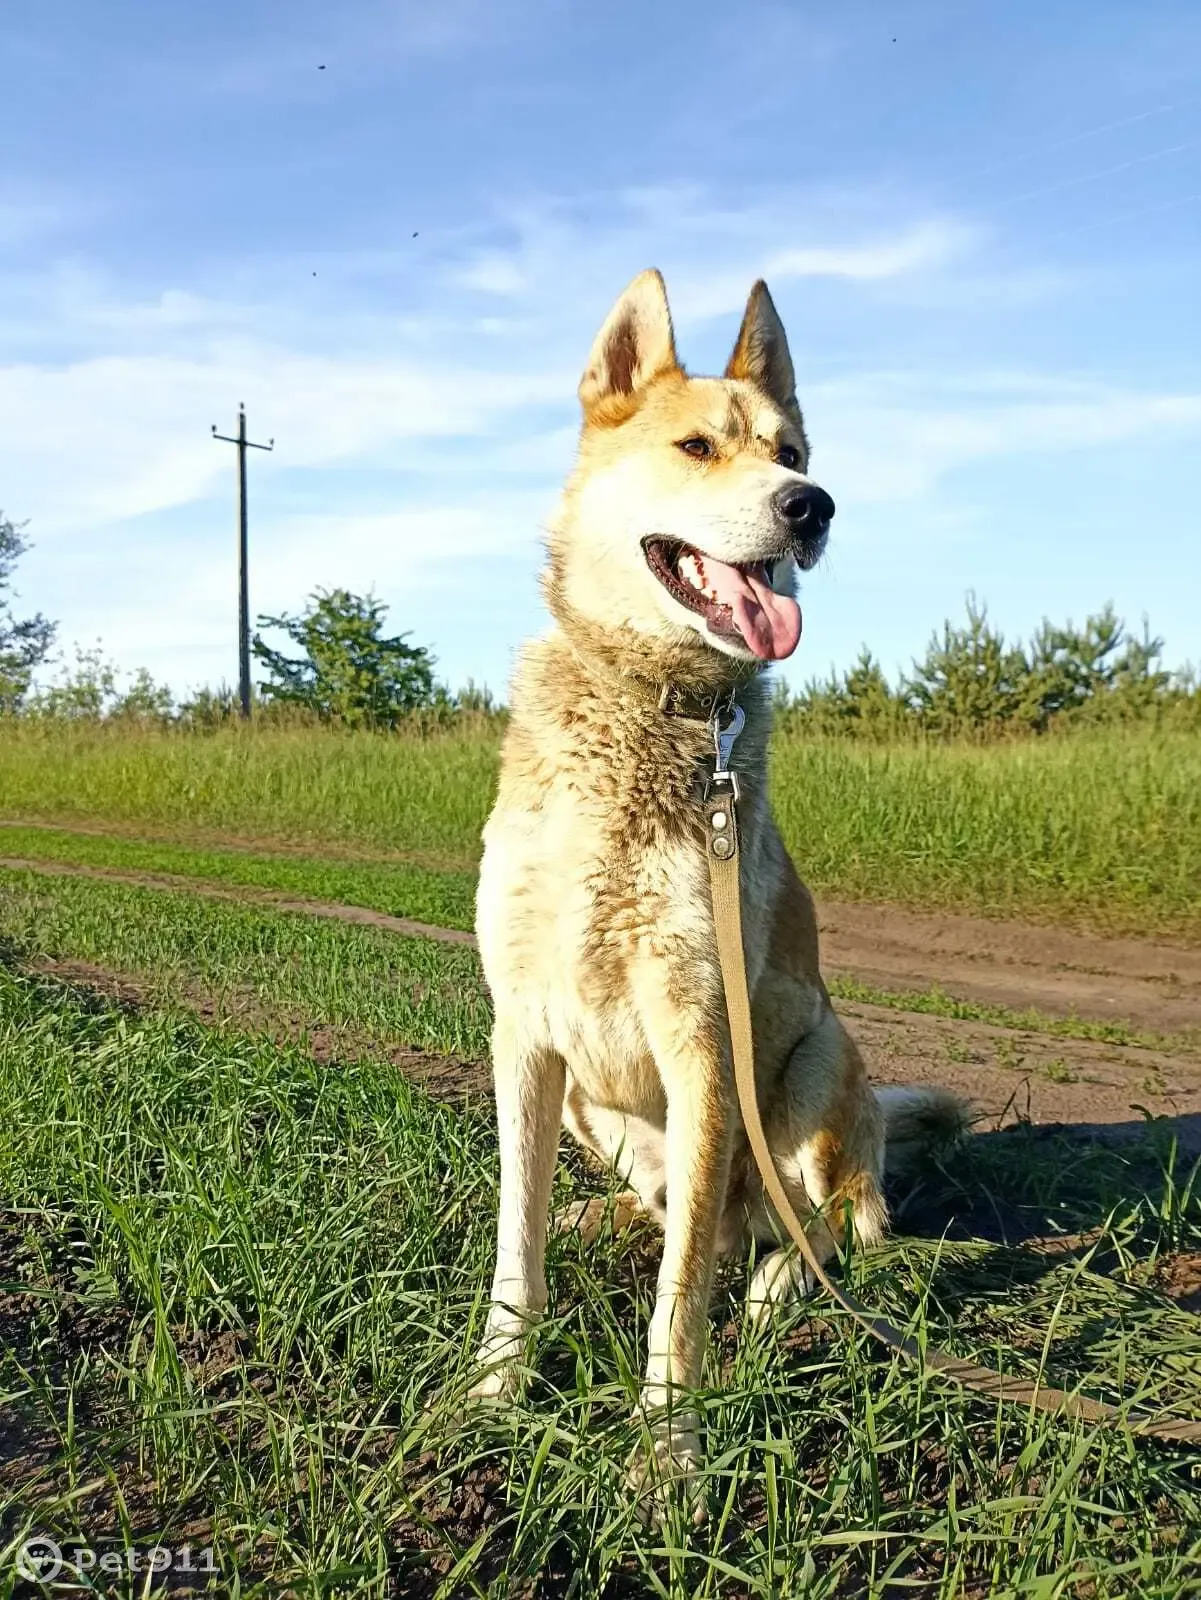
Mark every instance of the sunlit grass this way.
pixel 239 957
pixel 1099 829
pixel 242 1290
pixel 446 899
pixel 372 981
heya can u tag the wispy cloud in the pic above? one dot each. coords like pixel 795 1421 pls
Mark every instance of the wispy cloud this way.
pixel 424 405
pixel 884 438
pixel 920 249
pixel 134 384
pixel 118 437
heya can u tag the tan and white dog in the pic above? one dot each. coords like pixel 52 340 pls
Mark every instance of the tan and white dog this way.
pixel 670 579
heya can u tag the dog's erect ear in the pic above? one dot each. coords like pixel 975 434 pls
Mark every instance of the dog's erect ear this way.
pixel 635 345
pixel 761 352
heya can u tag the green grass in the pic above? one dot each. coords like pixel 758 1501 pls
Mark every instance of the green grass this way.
pixel 315 972
pixel 1099 829
pixel 445 899
pixel 422 799
pixel 241 1290
pixel 327 973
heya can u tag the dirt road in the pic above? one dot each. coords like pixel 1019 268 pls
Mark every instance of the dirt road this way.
pixel 1008 1071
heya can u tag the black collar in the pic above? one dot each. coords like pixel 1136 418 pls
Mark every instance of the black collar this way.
pixel 693 705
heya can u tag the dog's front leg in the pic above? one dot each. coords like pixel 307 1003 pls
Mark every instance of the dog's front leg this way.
pixel 530 1079
pixel 691 1058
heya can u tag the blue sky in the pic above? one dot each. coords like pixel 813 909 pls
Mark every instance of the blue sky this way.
pixel 981 224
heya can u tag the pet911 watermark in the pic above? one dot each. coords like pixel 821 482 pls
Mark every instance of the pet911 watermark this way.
pixel 43 1560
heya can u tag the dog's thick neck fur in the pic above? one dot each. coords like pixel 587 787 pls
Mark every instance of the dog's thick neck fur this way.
pixel 584 712
pixel 638 663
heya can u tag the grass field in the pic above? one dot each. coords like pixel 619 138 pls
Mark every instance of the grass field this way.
pixel 1099 829
pixel 408 990
pixel 243 1255
pixel 446 899
pixel 240 1287
pixel 239 951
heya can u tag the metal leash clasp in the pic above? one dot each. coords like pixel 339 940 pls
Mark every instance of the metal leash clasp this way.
pixel 724 737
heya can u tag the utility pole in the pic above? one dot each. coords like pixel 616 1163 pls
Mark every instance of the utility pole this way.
pixel 243 444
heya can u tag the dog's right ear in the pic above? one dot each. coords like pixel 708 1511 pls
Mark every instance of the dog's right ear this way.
pixel 635 345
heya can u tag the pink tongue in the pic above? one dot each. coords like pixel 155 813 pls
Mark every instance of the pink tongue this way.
pixel 769 622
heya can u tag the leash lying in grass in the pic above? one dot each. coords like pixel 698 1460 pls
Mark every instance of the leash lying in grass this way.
pixel 721 819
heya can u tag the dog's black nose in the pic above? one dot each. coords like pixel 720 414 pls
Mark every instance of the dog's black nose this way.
pixel 805 508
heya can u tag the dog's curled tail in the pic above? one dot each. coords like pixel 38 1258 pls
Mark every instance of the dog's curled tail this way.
pixel 918 1122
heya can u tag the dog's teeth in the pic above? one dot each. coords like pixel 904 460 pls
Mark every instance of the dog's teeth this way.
pixel 692 572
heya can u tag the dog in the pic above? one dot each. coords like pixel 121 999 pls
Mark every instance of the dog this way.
pixel 671 574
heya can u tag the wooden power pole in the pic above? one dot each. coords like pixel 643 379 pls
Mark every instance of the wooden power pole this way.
pixel 243 444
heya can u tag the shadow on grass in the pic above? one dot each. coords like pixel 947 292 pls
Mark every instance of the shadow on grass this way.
pixel 1034 1182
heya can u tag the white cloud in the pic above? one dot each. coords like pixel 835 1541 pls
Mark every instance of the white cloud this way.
pixel 118 425
pixel 921 249
pixel 493 273
pixel 296 554
pixel 416 447
pixel 881 438
pixel 120 437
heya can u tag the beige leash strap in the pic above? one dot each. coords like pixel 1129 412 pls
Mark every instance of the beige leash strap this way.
pixel 721 824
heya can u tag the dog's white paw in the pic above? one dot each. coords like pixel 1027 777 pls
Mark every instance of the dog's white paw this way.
pixel 498 1383
pixel 781 1280
pixel 502 1357
pixel 666 1467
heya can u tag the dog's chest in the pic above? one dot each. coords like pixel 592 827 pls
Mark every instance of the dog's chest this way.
pixel 576 924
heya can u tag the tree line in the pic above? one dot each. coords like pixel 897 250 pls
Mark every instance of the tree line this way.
pixel 972 682
pixel 339 665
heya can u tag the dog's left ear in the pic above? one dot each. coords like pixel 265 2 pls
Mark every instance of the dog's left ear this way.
pixel 761 352
pixel 635 345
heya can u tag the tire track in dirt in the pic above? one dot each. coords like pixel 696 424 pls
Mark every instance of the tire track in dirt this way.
pixel 274 899
pixel 1012 1074
pixel 445 1077
pixel 1007 1072
pixel 250 844
pixel 1008 1075
pixel 1143 982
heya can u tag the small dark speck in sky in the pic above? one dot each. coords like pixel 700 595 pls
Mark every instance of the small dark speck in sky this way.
pixel 414 236
pixel 322 69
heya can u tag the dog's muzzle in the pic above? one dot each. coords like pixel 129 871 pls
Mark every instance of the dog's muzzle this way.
pixel 806 512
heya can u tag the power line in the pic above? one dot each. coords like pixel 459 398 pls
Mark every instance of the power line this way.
pixel 1074 138
pixel 243 444
pixel 1093 177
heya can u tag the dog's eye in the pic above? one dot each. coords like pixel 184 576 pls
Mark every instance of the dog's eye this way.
pixel 699 449
pixel 789 456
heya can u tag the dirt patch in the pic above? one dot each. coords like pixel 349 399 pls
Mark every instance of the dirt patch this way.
pixel 1017 964
pixel 1022 966
pixel 1010 1075
pixel 1179 1277
pixel 1013 1074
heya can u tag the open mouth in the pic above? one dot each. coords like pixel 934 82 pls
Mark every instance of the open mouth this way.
pixel 736 602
